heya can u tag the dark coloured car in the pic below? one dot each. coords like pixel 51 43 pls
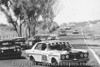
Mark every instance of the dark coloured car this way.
pixel 62 34
pixel 53 37
pixel 8 49
pixel 20 41
pixel 68 28
pixel 30 43
pixel 75 32
pixel 37 38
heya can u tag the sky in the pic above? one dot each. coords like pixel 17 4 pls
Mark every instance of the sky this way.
pixel 3 18
pixel 78 10
pixel 73 11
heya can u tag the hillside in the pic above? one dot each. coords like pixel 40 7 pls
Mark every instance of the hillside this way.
pixel 96 28
pixel 8 32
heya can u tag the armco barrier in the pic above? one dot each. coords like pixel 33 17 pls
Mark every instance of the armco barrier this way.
pixel 73 37
pixel 5 37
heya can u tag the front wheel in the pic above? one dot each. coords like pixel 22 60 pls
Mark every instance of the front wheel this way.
pixel 33 60
pixel 54 62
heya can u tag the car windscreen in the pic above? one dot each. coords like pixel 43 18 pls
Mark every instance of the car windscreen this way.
pixel 60 46
pixel 19 40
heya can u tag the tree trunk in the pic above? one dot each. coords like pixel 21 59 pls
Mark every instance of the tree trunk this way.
pixel 33 26
pixel 26 29
pixel 29 28
pixel 20 30
pixel 16 29
pixel 34 30
pixel 29 31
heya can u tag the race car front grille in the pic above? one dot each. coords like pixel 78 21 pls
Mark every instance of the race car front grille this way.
pixel 78 56
pixel 73 56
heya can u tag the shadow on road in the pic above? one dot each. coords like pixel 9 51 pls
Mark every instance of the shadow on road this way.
pixel 70 66
pixel 65 65
pixel 12 58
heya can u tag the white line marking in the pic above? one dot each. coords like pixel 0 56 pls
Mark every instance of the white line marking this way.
pixel 95 55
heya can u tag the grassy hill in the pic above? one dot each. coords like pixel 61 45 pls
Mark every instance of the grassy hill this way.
pixel 7 32
pixel 96 28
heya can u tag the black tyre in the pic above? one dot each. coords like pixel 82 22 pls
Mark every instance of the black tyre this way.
pixel 33 60
pixel 54 62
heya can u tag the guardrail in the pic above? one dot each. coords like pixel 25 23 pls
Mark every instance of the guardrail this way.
pixel 5 37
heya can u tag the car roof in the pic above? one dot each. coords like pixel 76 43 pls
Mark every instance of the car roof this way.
pixel 18 38
pixel 52 41
pixel 1 41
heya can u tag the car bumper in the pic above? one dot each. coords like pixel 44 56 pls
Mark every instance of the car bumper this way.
pixel 73 62
pixel 13 54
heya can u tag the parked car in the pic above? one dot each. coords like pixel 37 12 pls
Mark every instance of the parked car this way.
pixel 53 37
pixel 75 32
pixel 20 41
pixel 41 37
pixel 56 52
pixel 62 34
pixel 31 41
pixel 37 38
pixel 9 49
pixel 68 28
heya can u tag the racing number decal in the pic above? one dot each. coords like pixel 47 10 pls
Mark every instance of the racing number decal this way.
pixel 44 57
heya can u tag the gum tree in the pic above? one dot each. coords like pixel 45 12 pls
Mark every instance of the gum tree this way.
pixel 27 12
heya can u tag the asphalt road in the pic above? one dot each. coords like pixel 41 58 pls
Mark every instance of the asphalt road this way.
pixel 22 62
pixel 78 43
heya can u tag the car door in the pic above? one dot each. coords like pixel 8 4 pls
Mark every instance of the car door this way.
pixel 44 56
pixel 37 52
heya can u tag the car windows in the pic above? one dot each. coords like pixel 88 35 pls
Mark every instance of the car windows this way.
pixel 60 46
pixel 6 44
pixel 41 46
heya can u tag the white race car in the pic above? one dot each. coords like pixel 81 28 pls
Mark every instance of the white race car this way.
pixel 57 52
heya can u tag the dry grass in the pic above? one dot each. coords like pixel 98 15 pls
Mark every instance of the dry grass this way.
pixel 7 32
pixel 97 51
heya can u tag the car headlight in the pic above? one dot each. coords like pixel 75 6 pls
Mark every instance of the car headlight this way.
pixel 18 49
pixel 14 49
pixel 63 56
pixel 81 55
pixel 67 56
pixel 2 51
pixel 85 55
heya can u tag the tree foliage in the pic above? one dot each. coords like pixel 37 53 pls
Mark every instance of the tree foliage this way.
pixel 28 12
